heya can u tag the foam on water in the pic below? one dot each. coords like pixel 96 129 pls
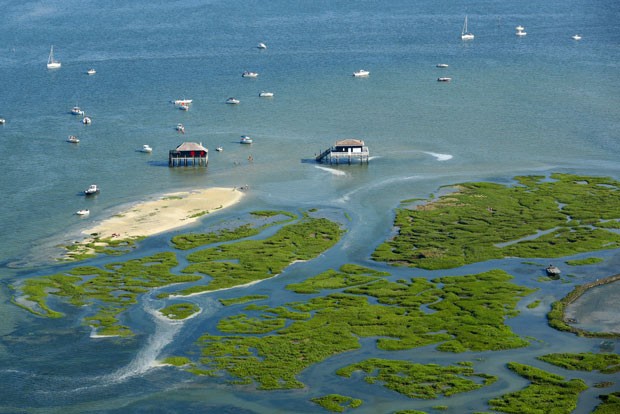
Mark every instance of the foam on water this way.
pixel 439 157
pixel 390 181
pixel 146 359
pixel 331 170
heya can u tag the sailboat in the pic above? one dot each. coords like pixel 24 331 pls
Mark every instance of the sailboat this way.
pixel 465 35
pixel 51 63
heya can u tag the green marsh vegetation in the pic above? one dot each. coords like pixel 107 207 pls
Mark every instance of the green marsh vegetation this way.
pixel 111 290
pixel 179 311
pixel 247 261
pixel 410 412
pixel 547 393
pixel 349 275
pixel 537 217
pixel 97 246
pixel 242 299
pixel 605 363
pixel 266 218
pixel 583 262
pixel 424 381
pixel 108 291
pixel 337 403
pixel 610 404
pixel 466 313
pixel 177 361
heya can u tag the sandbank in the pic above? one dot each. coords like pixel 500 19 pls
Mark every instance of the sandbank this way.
pixel 168 212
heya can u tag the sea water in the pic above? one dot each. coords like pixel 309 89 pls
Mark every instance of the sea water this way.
pixel 516 105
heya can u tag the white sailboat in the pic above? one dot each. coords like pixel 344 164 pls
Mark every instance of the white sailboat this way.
pixel 51 63
pixel 465 34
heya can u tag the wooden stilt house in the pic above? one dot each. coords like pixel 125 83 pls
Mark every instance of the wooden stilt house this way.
pixel 345 151
pixel 188 153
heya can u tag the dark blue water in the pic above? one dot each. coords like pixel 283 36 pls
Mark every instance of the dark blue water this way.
pixel 528 105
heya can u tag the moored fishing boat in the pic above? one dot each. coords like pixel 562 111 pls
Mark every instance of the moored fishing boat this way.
pixel 91 190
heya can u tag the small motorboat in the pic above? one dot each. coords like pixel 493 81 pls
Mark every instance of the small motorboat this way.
pixel 91 190
pixel 248 74
pixel 576 37
pixel 553 271
pixel 442 65
pixel 182 102
pixel 266 94
pixel 361 73
pixel 76 110
pixel 73 139
pixel 245 140
pixel 520 31
pixel 86 120
pixel 261 45
pixel 146 148
pixel 2 121
pixel 232 101
pixel 84 212
pixel 444 79
pixel 219 149
pixel 180 128
pixel 91 71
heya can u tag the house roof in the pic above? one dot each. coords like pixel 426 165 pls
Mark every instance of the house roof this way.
pixel 191 146
pixel 350 142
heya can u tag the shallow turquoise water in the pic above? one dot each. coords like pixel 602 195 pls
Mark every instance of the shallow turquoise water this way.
pixel 527 105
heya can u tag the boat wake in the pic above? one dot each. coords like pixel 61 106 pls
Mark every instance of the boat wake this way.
pixel 439 157
pixel 331 170
pixel 395 180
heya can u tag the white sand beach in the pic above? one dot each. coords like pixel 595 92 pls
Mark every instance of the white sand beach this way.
pixel 168 212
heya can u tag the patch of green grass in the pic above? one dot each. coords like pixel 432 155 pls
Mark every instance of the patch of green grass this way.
pixel 350 275
pixel 246 325
pixel 533 305
pixel 273 213
pixel 108 292
pixel 247 261
pixel 236 232
pixel 337 403
pixel 481 221
pixel 610 404
pixel 605 363
pixel 468 313
pixel 179 311
pixel 547 393
pixel 108 246
pixel 418 380
pixel 177 361
pixel 242 299
pixel 582 262
pixel 193 240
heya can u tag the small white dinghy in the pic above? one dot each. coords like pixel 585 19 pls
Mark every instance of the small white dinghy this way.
pixel 84 212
